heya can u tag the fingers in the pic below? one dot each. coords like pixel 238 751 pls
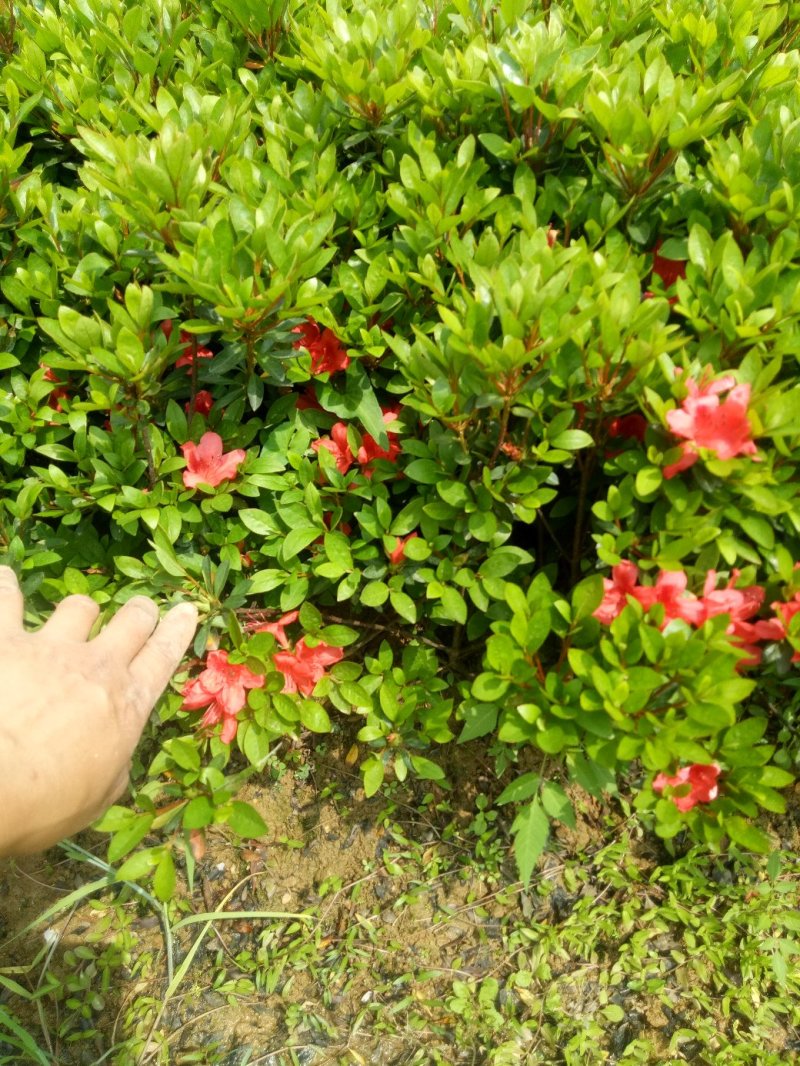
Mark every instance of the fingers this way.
pixel 127 632
pixel 160 657
pixel 10 603
pixel 72 619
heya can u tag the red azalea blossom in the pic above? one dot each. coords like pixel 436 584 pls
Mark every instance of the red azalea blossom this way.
pixel 307 400
pixel 631 426
pixel 615 599
pixel 187 358
pixel 669 270
pixel 220 687
pixel 338 446
pixel 701 779
pixel 369 449
pixel 206 463
pixel 202 403
pixel 327 354
pixel 305 666
pixel 784 613
pixel 704 422
pixel 277 629
pixel 670 590
pixel 398 553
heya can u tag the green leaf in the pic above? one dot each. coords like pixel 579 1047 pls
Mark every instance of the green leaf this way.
pixel 373 772
pixel 557 803
pixel 586 597
pixel 245 820
pixel 648 481
pixel 747 835
pixel 531 829
pixel 374 594
pixel 139 864
pixel 298 539
pixel 453 605
pixel 427 769
pixel 164 877
pixel 572 439
pixel 403 605
pixel 126 839
pixel 425 471
pixel 523 788
pixel 314 717
pixel 198 813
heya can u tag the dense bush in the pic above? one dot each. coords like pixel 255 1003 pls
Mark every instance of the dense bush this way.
pixel 446 356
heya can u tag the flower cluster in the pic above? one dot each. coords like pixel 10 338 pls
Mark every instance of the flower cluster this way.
pixel 221 687
pixel 703 422
pixel 339 446
pixel 670 590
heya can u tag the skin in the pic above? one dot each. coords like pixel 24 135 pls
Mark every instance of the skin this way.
pixel 73 709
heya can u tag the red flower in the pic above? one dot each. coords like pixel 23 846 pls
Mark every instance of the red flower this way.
pixel 187 359
pixel 784 613
pixel 277 628
pixel 50 374
pixel 187 346
pixel 552 236
pixel 327 354
pixel 702 782
pixel 669 270
pixel 369 449
pixel 221 687
pixel 704 422
pixel 741 605
pixel 631 427
pixel 202 404
pixel 670 589
pixel 304 667
pixel 338 446
pixel 206 464
pixel 307 400
pixel 398 552
pixel 622 584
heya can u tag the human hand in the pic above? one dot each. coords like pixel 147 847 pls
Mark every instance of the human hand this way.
pixel 72 709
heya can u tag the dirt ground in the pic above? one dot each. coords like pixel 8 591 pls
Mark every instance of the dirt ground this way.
pixel 399 915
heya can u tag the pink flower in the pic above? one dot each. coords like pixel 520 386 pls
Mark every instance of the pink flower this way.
pixel 398 552
pixel 670 589
pixel 327 354
pixel 704 422
pixel 277 628
pixel 221 687
pixel 622 583
pixel 701 779
pixel 202 403
pixel 304 667
pixel 206 464
pixel 338 446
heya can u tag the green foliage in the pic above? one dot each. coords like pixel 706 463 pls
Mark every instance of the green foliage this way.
pixel 465 203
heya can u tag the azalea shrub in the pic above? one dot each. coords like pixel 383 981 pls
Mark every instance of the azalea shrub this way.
pixel 446 357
